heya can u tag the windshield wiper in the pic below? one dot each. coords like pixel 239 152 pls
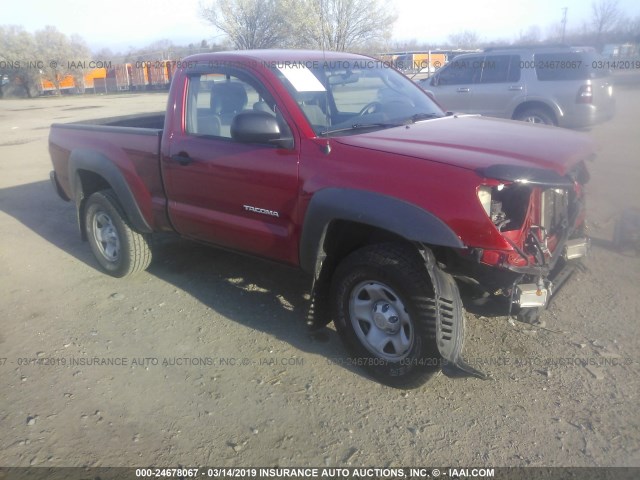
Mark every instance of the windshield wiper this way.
pixel 359 126
pixel 423 116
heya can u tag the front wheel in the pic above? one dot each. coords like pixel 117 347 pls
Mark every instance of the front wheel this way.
pixel 119 249
pixel 383 304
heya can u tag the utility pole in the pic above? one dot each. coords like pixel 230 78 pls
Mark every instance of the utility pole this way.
pixel 564 22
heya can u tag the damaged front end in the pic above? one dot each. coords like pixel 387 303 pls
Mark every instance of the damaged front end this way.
pixel 541 215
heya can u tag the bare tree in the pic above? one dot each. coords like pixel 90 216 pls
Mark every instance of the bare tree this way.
pixel 628 30
pixel 60 55
pixel 18 61
pixel 249 24
pixel 466 39
pixel 80 55
pixel 341 25
pixel 605 15
pixel 332 24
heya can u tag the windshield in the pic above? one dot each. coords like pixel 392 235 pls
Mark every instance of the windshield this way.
pixel 343 97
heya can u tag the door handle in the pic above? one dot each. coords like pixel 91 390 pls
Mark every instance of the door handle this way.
pixel 515 87
pixel 182 158
pixel 463 90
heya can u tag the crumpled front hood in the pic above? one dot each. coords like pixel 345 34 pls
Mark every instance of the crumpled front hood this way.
pixel 476 143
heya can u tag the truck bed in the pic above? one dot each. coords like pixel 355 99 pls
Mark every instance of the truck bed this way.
pixel 132 143
pixel 152 121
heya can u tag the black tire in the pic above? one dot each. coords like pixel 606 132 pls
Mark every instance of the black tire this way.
pixel 119 249
pixel 396 274
pixel 536 115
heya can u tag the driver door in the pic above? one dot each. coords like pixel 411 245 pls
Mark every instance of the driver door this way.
pixel 237 195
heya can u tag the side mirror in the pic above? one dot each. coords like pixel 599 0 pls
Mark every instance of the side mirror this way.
pixel 255 127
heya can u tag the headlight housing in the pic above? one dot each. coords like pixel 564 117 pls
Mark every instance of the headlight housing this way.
pixel 484 195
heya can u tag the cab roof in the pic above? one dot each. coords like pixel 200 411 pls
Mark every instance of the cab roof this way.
pixel 277 55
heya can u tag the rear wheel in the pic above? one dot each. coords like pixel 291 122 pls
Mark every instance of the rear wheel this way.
pixel 383 306
pixel 535 115
pixel 119 249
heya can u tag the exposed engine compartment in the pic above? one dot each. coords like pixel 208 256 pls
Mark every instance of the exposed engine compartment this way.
pixel 541 216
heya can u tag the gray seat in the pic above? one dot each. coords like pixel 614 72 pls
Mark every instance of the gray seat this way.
pixel 263 106
pixel 208 124
pixel 227 100
pixel 310 105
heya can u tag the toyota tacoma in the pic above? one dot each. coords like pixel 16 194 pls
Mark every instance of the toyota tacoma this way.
pixel 338 164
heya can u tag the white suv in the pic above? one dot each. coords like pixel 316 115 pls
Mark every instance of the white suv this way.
pixel 550 85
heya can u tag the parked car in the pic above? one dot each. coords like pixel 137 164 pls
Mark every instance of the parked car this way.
pixel 343 167
pixel 550 85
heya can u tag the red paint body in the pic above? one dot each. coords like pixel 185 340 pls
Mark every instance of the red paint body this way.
pixel 431 164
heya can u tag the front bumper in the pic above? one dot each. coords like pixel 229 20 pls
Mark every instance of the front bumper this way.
pixel 538 294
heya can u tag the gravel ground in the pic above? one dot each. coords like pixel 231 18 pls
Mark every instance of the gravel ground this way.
pixel 214 365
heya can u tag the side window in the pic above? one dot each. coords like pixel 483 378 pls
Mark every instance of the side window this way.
pixel 501 69
pixel 461 72
pixel 214 99
pixel 514 68
pixel 562 66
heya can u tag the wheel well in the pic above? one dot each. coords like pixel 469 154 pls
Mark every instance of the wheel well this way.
pixel 341 238
pixel 344 237
pixel 89 183
pixel 538 105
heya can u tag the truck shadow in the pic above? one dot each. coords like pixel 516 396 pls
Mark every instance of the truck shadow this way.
pixel 258 294
pixel 37 207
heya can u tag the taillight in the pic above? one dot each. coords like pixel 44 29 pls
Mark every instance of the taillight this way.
pixel 585 94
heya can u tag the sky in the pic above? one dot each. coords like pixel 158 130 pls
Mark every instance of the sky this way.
pixel 119 24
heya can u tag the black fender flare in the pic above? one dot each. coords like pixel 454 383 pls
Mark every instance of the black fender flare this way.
pixel 95 162
pixel 374 209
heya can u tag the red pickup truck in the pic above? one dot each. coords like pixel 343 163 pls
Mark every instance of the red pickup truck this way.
pixel 338 164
